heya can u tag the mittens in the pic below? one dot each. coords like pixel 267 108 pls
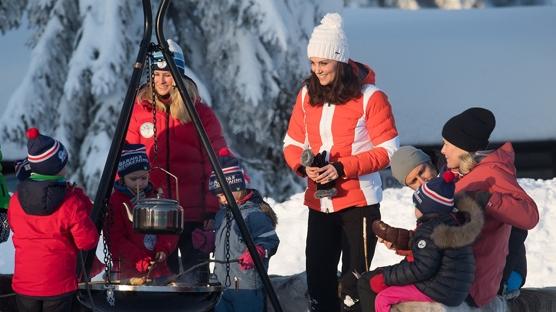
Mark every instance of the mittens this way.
pixel 203 240
pixel 377 283
pixel 142 266
pixel 245 260
pixel 398 237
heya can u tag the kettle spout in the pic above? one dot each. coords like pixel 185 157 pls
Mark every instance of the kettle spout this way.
pixel 129 213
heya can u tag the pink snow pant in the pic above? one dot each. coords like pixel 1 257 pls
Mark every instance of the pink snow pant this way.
pixel 396 294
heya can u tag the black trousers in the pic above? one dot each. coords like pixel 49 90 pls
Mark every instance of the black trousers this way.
pixel 366 295
pixel 328 236
pixel 189 255
pixel 31 304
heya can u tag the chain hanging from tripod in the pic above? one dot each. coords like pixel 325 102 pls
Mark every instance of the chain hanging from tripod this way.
pixel 153 47
pixel 106 245
pixel 228 281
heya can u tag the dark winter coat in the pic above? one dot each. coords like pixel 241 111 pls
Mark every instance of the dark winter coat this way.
pixel 262 230
pixel 443 267
pixel 179 151
pixel 128 246
pixel 508 206
pixel 50 222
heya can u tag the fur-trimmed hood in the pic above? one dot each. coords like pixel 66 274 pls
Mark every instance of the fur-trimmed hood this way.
pixel 449 236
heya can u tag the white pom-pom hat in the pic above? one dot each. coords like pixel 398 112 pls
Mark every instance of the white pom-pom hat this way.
pixel 328 40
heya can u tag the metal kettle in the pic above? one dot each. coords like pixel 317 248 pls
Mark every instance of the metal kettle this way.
pixel 158 215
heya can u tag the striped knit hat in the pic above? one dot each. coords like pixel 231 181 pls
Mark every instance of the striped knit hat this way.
pixel 133 158
pixel 233 171
pixel 45 155
pixel 437 195
pixel 159 63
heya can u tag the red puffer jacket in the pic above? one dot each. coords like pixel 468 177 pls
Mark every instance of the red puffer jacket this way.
pixel 50 222
pixel 179 151
pixel 129 246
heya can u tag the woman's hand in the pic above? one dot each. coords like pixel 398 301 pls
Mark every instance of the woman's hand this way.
pixel 312 172
pixel 388 244
pixel 326 174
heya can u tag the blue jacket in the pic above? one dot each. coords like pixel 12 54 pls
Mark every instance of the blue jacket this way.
pixel 262 231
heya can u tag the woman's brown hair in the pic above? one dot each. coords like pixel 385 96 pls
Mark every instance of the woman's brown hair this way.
pixel 345 86
pixel 177 105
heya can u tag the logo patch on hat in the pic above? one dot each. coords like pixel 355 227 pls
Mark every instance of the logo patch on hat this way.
pixel 161 64
pixel 62 155
pixel 422 244
pixel 147 130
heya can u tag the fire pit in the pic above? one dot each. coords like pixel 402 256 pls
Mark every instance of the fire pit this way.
pixel 174 297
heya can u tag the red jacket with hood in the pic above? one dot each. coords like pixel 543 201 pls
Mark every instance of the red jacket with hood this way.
pixel 360 134
pixel 179 151
pixel 508 206
pixel 50 222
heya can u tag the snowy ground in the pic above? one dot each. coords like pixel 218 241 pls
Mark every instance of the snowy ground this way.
pixel 396 209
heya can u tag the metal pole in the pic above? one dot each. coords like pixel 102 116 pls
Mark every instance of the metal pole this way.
pixel 107 178
pixel 212 156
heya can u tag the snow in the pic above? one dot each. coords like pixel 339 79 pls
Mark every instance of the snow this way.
pixel 397 210
pixel 434 64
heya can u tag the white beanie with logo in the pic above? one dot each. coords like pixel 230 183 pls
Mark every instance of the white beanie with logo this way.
pixel 328 40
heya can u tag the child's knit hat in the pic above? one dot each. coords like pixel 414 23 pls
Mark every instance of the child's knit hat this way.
pixel 233 171
pixel 437 195
pixel 134 158
pixel 45 155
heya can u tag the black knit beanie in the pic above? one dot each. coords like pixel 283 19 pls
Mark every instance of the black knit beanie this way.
pixel 470 130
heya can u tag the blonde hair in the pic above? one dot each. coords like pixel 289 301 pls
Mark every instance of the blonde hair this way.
pixel 468 161
pixel 177 105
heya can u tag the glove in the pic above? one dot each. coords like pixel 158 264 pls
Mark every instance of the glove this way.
pixel 398 237
pixel 377 283
pixel 245 260
pixel 203 240
pixel 142 266
pixel 513 283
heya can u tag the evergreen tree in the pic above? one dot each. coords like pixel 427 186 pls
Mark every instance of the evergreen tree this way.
pixel 250 55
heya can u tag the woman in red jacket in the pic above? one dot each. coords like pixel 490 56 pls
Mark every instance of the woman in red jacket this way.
pixel 491 176
pixel 175 146
pixel 345 120
pixel 50 223
pixel 133 253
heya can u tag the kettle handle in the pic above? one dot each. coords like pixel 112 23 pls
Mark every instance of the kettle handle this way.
pixel 175 177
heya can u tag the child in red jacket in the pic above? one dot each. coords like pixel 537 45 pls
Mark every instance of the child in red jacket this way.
pixel 134 252
pixel 50 223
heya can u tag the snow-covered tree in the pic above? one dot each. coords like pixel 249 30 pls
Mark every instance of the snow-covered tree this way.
pixel 249 54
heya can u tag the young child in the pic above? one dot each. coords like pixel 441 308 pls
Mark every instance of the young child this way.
pixel 442 265
pixel 50 223
pixel 243 291
pixel 133 253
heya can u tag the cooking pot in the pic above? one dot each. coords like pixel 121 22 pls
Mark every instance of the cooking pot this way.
pixel 158 215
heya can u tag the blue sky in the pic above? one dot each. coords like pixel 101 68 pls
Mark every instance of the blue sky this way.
pixel 14 61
